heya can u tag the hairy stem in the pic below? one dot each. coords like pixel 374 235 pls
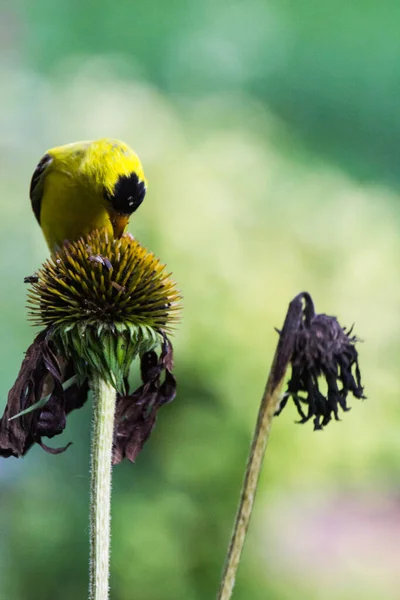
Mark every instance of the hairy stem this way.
pixel 100 498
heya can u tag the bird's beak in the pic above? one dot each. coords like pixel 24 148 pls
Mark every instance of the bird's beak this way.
pixel 119 222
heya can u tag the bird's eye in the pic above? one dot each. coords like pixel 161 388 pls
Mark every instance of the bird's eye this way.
pixel 128 194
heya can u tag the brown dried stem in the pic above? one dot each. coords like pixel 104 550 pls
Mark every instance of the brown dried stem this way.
pixel 269 404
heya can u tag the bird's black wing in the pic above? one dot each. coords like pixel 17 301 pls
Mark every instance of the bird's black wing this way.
pixel 36 189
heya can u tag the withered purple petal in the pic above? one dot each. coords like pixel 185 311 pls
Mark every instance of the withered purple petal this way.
pixel 136 413
pixel 51 450
pixel 167 391
pixel 42 373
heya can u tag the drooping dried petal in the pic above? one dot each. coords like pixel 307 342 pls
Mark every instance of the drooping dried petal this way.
pixel 136 413
pixel 42 374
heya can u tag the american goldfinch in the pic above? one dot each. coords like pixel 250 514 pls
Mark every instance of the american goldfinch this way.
pixel 85 186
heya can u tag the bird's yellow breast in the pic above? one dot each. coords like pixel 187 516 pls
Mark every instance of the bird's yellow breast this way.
pixel 71 209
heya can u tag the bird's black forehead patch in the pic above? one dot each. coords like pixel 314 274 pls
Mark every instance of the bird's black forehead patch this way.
pixel 128 194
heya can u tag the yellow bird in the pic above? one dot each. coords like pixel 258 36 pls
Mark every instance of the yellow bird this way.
pixel 85 186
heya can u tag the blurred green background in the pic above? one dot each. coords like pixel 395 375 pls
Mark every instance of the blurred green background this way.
pixel 270 135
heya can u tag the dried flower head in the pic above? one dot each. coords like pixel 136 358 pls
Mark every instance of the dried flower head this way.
pixel 107 300
pixel 321 349
pixel 102 302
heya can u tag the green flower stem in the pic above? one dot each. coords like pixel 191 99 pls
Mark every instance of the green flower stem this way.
pixel 269 403
pixel 104 396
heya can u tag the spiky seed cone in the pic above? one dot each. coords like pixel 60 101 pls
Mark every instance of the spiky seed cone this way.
pixel 106 300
